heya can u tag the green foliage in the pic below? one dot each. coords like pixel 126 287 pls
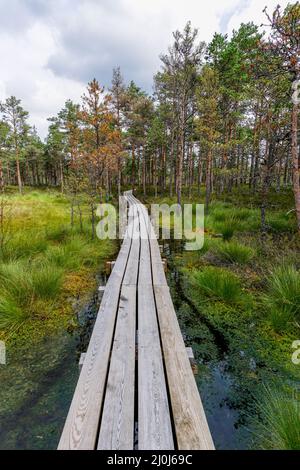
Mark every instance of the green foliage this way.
pixel 11 313
pixel 22 286
pixel 25 244
pixel 40 254
pixel 227 219
pixel 58 233
pixel 227 228
pixel 280 222
pixel 280 425
pixel 74 254
pixel 218 284
pixel 234 252
pixel 283 296
pixel 46 281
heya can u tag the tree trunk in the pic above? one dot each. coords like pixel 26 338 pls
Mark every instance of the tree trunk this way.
pixel 208 178
pixel 133 167
pixel 295 162
pixel 1 178
pixel 19 175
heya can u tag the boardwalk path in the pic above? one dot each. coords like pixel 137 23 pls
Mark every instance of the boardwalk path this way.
pixel 136 383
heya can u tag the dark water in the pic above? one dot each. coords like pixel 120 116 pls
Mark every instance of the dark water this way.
pixel 217 381
pixel 37 387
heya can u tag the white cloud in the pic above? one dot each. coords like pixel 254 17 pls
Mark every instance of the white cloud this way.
pixel 253 11
pixel 50 55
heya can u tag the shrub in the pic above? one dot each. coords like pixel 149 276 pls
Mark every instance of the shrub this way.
pixel 219 284
pixel 234 252
pixel 280 426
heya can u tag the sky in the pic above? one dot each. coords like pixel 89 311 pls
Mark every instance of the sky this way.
pixel 50 49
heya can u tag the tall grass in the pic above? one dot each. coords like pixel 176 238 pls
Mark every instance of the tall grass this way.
pixel 280 222
pixel 227 219
pixel 23 285
pixel 218 284
pixel 283 296
pixel 234 252
pixel 280 425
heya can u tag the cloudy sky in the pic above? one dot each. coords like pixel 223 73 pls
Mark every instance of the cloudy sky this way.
pixel 50 49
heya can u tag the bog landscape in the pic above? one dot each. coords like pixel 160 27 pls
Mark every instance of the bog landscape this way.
pixel 178 348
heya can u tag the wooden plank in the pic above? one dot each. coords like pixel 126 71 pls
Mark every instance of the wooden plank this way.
pixel 154 423
pixel 130 277
pixel 192 431
pixel 158 272
pixel 117 424
pixel 81 427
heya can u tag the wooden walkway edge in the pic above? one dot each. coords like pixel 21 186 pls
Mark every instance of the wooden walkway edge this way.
pixel 136 389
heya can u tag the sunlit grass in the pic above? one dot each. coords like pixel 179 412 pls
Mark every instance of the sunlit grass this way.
pixel 219 284
pixel 41 252
pixel 279 428
pixel 283 296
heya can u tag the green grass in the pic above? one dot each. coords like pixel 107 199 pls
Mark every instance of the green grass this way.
pixel 280 222
pixel 227 228
pixel 280 425
pixel 23 286
pixel 43 253
pixel 219 284
pixel 25 244
pixel 283 296
pixel 46 281
pixel 11 314
pixel 234 252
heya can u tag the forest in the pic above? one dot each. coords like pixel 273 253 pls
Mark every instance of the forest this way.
pixel 221 128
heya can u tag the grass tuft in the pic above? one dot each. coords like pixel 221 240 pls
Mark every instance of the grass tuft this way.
pixel 219 284
pixel 234 252
pixel 280 426
pixel 283 296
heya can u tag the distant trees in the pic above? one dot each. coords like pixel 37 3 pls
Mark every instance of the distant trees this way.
pixel 16 118
pixel 222 115
pixel 284 42
pixel 178 80
pixel 4 146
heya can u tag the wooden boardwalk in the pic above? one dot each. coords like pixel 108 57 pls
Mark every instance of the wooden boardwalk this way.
pixel 136 389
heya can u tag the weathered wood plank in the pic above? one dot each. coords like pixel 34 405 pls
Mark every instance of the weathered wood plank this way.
pixel 130 277
pixel 154 425
pixel 81 427
pixel 158 272
pixel 192 431
pixel 117 424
